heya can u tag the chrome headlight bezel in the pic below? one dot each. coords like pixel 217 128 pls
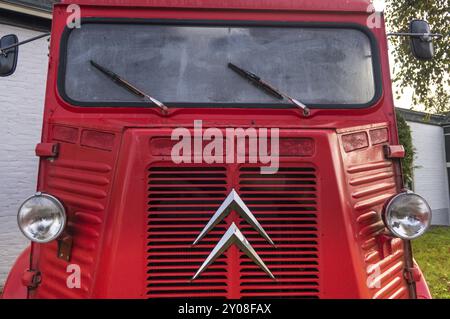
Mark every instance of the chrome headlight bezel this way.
pixel 388 211
pixel 61 214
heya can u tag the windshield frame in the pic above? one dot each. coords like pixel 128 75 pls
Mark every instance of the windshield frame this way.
pixel 376 62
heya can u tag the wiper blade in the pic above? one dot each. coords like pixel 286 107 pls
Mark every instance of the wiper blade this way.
pixel 128 86
pixel 260 83
pixel 256 80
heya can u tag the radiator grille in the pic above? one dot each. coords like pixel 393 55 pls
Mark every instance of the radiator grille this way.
pixel 181 201
pixel 286 206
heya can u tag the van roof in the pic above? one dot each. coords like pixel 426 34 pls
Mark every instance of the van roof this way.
pixel 300 5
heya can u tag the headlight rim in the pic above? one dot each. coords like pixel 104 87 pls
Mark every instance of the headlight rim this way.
pixel 58 203
pixel 385 214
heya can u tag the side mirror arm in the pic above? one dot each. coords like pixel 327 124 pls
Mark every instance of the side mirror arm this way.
pixel 4 51
pixel 426 37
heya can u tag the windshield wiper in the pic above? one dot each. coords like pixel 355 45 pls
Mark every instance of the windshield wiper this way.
pixel 266 87
pixel 131 88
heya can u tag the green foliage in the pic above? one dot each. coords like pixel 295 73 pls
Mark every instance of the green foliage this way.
pixel 432 253
pixel 429 79
pixel 404 135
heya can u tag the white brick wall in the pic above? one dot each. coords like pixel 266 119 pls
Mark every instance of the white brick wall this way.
pixel 21 107
pixel 430 174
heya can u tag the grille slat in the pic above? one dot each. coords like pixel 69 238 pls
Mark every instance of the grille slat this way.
pixel 181 200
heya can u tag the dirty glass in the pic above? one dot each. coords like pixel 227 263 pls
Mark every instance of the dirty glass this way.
pixel 188 64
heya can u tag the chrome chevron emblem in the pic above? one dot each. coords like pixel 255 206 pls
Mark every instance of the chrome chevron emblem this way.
pixel 233 235
pixel 233 202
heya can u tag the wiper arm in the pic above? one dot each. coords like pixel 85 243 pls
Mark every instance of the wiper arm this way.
pixel 266 87
pixel 128 86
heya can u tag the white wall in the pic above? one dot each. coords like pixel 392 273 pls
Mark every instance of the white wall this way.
pixel 21 107
pixel 430 175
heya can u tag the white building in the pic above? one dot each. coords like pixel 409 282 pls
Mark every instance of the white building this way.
pixel 431 160
pixel 21 107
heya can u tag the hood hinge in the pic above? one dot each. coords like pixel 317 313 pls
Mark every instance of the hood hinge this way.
pixel 412 274
pixel 31 278
pixel 49 150
pixel 394 151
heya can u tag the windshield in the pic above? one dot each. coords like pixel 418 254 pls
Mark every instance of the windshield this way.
pixel 189 64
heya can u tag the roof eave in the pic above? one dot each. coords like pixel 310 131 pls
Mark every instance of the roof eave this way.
pixel 24 9
pixel 347 6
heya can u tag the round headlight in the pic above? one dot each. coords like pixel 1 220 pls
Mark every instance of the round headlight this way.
pixel 41 218
pixel 407 215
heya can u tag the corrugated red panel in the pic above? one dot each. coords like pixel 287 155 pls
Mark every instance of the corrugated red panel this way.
pixel 371 184
pixel 82 186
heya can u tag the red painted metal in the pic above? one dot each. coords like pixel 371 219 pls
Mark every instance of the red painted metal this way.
pixel 355 141
pixel 423 292
pixel 14 287
pixel 133 213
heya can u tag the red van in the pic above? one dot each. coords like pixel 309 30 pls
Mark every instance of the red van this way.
pixel 123 210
